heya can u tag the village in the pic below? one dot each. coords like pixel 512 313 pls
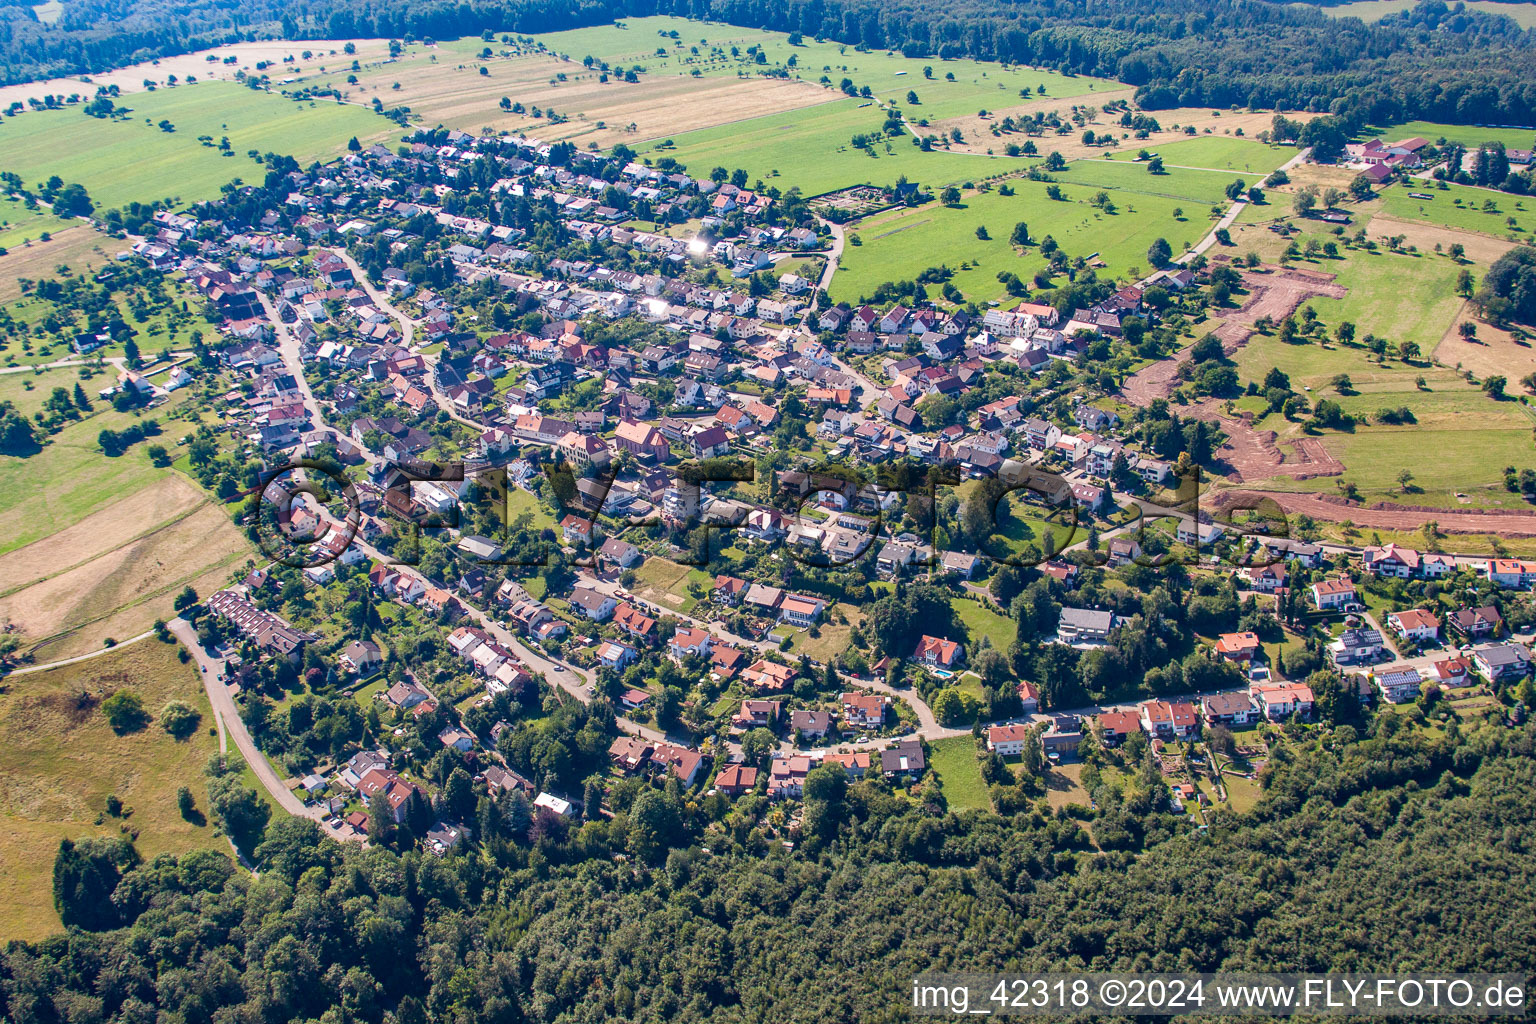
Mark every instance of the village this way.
pixel 401 311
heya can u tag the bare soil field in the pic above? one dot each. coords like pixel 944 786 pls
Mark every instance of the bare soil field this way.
pixel 82 248
pixel 1249 454
pixel 325 53
pixel 1335 509
pixel 1480 248
pixel 444 87
pixel 121 591
pixel 977 131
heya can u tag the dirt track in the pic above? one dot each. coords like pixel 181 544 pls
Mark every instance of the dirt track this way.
pixel 1332 509
pixel 1249 454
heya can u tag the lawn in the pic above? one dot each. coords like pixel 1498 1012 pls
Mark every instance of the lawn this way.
pixel 134 159
pixel 954 761
pixel 664 582
pixel 1228 154
pixel 981 621
pixel 901 244
pixel 59 760
pixel 834 637
pixel 520 501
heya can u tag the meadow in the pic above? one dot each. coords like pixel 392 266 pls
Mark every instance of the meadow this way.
pixel 1193 186
pixel 59 760
pixel 1472 437
pixel 811 150
pixel 899 244
pixel 1223 153
pixel 123 160
pixel 1524 14
pixel 1461 207
pixel 954 761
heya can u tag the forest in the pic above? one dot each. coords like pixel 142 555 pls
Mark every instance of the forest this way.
pixel 1383 846
pixel 1437 62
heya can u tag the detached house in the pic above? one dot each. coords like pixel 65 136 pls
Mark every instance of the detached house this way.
pixel 937 652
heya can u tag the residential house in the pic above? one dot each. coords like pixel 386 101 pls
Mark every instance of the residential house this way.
pixel 1416 624
pixel 1330 594
pixel 937 652
pixel 1169 719
pixel 1498 662
pixel 1084 625
pixel 1228 709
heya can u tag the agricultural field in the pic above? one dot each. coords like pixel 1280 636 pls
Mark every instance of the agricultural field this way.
pixel 812 151
pixel 900 244
pixel 1473 436
pixel 1524 14
pixel 59 760
pixel 954 761
pixel 1190 186
pixel 122 572
pixel 1225 154
pixel 890 76
pixel 442 84
pixel 119 161
pixel 69 478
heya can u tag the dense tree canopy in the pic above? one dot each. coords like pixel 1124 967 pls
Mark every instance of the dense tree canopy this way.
pixel 1359 841
pixel 1434 61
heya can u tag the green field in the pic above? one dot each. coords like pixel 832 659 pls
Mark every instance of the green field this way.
pixel 981 621
pixel 810 150
pixel 1468 135
pixel 1245 155
pixel 1524 14
pixel 1472 436
pixel 898 245
pixel 889 75
pixel 954 761
pixel 1460 207
pixel 122 160
pixel 70 477
pixel 21 225
pixel 59 760
pixel 1178 183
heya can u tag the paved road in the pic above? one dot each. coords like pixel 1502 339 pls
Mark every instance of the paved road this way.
pixel 834 256
pixel 1210 239
pixel 231 724
pixel 407 325
pixel 83 657
pixel 288 348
